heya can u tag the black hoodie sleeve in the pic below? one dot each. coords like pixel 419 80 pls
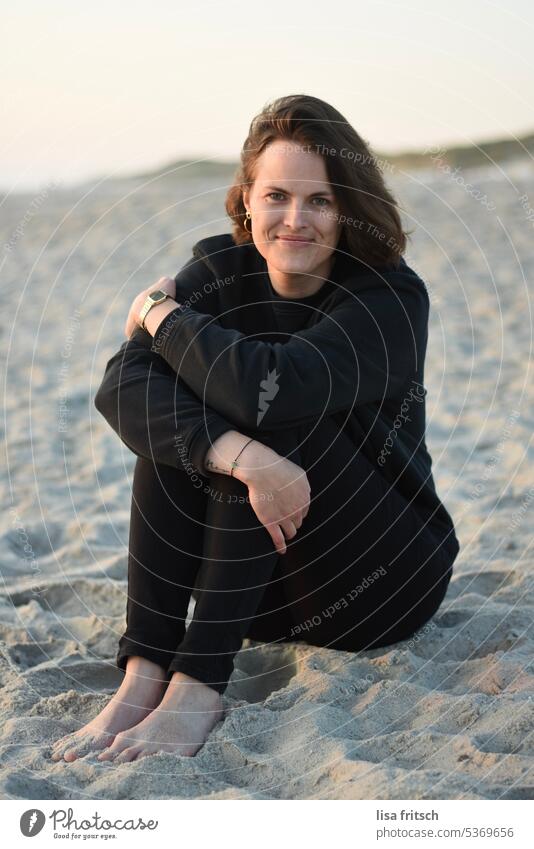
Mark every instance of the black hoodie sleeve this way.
pixel 364 350
pixel 153 412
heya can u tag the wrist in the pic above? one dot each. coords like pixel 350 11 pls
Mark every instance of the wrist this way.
pixel 157 314
pixel 223 452
pixel 252 462
pixel 239 468
pixel 235 447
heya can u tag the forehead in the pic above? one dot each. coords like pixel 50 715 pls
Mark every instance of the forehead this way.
pixel 291 162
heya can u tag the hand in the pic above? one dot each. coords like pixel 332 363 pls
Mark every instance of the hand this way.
pixel 166 284
pixel 279 491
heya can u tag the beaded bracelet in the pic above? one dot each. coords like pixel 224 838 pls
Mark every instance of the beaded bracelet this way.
pixel 234 464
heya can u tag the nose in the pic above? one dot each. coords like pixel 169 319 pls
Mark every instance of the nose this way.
pixel 294 216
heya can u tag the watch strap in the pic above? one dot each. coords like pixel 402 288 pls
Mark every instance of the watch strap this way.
pixel 149 303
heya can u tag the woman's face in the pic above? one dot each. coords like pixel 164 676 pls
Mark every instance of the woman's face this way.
pixel 292 197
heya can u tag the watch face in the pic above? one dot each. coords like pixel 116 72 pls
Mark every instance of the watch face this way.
pixel 157 295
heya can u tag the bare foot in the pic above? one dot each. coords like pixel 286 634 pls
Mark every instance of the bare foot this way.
pixel 180 723
pixel 141 691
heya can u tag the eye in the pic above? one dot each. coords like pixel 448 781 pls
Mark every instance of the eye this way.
pixel 280 195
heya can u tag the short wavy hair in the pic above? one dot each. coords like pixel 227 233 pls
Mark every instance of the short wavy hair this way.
pixel 371 226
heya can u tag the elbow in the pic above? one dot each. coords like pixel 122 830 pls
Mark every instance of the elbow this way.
pixel 103 400
pixel 98 400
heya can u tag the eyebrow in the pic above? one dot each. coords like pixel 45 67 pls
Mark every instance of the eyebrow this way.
pixel 285 191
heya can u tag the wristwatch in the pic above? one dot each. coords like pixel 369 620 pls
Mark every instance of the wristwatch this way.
pixel 155 297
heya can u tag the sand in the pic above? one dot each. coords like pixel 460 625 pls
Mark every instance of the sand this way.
pixel 448 714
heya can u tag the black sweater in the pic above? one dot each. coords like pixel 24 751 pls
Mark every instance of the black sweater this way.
pixel 359 357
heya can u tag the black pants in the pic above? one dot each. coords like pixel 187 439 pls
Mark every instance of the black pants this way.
pixel 363 570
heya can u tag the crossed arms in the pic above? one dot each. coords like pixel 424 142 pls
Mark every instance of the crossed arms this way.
pixel 195 379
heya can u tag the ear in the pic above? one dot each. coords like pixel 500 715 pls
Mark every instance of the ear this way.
pixel 246 197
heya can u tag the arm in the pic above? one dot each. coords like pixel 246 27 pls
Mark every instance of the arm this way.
pixel 363 351
pixel 152 410
pixel 253 456
pixel 278 489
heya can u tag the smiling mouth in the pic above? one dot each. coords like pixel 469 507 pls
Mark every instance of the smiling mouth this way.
pixel 294 241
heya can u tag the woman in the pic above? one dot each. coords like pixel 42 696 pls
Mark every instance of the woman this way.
pixel 275 400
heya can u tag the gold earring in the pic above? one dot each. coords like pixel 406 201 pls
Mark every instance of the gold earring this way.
pixel 248 217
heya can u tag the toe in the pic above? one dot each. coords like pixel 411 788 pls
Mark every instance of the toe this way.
pixel 127 755
pixel 145 753
pixel 75 749
pixel 84 746
pixel 102 741
pixel 119 744
pixel 60 746
pixel 109 754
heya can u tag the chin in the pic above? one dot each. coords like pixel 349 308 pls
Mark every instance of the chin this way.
pixel 288 265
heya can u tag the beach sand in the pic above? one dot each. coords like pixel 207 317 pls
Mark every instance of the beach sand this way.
pixel 447 714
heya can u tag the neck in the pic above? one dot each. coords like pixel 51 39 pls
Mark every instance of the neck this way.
pixel 295 285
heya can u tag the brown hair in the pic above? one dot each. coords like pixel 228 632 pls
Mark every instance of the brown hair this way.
pixel 352 170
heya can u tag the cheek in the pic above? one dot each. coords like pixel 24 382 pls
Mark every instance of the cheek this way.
pixel 326 229
pixel 258 223
pixel 333 233
pixel 266 224
pixel 326 223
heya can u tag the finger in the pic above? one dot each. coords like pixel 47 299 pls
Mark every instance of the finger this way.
pixel 289 529
pixel 278 539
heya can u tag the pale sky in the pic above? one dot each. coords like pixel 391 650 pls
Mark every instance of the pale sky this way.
pixel 112 87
